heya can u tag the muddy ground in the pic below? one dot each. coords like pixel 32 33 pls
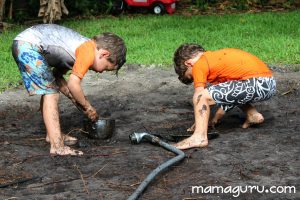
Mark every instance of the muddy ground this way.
pixel 152 100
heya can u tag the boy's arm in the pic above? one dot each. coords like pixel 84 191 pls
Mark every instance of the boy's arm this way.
pixel 74 85
pixel 63 88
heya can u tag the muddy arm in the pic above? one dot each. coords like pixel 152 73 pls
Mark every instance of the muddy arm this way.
pixel 74 85
pixel 63 88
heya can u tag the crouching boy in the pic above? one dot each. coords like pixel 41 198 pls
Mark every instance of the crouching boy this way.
pixel 237 79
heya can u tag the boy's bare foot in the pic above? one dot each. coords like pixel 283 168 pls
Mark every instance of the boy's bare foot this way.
pixel 256 118
pixel 191 142
pixel 68 140
pixel 65 150
pixel 212 123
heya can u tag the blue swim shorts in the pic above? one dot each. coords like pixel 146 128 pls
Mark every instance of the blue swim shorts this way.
pixel 36 73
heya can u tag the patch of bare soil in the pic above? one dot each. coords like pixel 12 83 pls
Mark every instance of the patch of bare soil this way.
pixel 151 100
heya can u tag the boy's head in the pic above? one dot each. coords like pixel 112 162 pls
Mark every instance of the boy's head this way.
pixel 115 48
pixel 184 53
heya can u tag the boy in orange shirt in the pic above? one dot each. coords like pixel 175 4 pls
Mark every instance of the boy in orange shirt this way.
pixel 44 53
pixel 237 79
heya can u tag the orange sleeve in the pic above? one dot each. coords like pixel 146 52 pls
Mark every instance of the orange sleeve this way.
pixel 200 72
pixel 84 58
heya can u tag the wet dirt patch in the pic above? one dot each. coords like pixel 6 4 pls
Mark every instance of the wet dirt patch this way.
pixel 151 100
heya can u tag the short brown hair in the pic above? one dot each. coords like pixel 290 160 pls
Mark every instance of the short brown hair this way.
pixel 115 45
pixel 183 53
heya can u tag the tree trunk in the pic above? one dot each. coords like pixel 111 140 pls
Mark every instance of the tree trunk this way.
pixel 52 10
pixel 2 9
pixel 10 10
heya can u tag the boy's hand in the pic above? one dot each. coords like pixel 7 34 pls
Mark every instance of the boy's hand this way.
pixel 217 118
pixel 192 128
pixel 91 113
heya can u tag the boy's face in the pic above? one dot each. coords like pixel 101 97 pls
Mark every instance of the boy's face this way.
pixel 101 62
pixel 188 75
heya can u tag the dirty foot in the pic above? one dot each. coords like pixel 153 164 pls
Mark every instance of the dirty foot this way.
pixel 68 140
pixel 256 118
pixel 191 142
pixel 65 150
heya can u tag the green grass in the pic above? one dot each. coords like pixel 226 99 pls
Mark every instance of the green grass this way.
pixel 274 37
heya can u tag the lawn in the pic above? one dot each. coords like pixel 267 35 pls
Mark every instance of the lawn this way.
pixel 274 37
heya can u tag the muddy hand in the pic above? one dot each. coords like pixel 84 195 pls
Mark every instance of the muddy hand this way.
pixel 91 113
pixel 213 123
pixel 217 118
pixel 192 128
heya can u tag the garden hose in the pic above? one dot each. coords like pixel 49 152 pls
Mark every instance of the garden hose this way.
pixel 136 138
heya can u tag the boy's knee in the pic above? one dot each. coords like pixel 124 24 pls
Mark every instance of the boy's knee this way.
pixel 207 96
pixel 51 97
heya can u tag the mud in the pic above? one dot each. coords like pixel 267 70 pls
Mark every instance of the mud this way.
pixel 152 100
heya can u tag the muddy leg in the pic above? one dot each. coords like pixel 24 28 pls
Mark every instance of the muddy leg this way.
pixel 202 102
pixel 68 140
pixel 51 120
pixel 41 109
pixel 253 116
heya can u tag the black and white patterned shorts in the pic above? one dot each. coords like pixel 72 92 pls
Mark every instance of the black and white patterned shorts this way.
pixel 237 93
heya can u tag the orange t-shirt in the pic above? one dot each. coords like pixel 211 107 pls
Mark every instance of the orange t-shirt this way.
pixel 227 64
pixel 85 55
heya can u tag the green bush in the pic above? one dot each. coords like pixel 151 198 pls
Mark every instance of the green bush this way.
pixel 240 4
pixel 204 5
pixel 88 7
pixel 27 10
pixel 24 10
